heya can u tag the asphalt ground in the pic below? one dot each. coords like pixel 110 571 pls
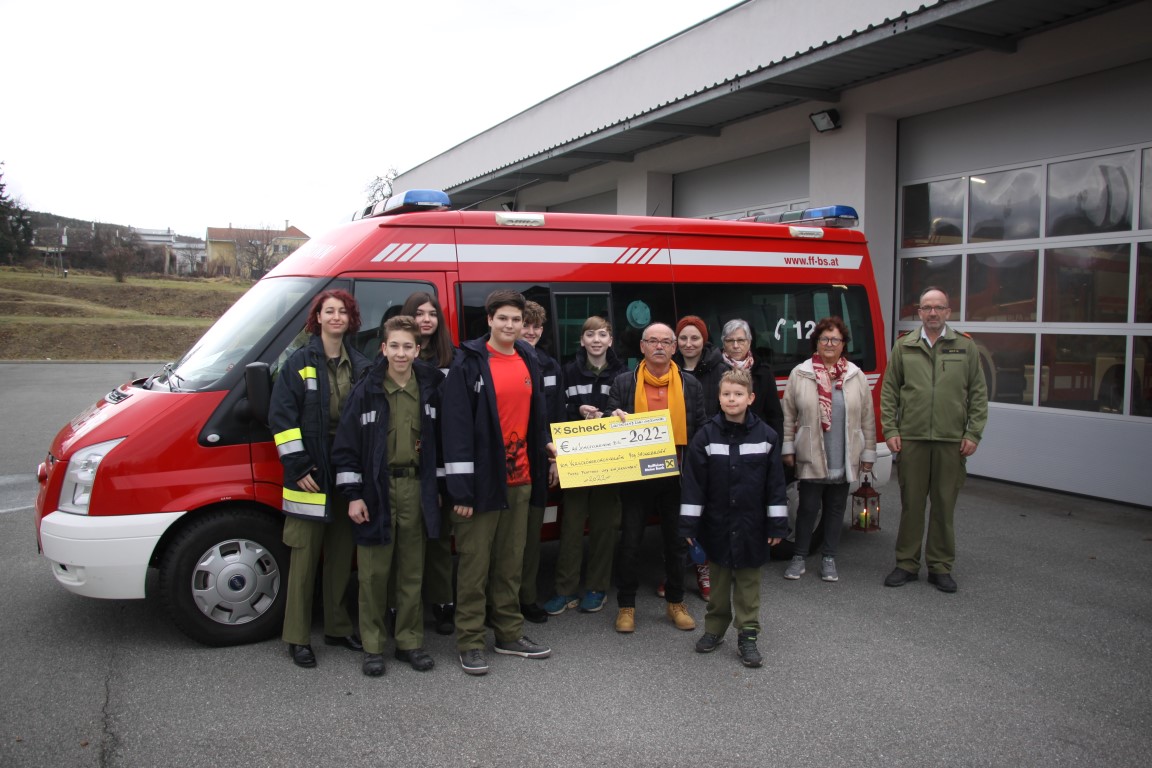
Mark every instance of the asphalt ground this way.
pixel 1042 658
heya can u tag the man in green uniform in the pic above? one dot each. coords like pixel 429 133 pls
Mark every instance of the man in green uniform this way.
pixel 933 408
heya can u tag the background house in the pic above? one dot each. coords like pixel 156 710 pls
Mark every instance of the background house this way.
pixel 249 252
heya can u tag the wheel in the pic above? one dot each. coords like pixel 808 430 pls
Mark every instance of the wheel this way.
pixel 222 577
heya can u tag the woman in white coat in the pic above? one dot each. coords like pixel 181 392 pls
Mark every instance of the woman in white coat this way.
pixel 829 437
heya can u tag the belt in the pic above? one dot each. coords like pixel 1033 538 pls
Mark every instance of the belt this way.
pixel 403 471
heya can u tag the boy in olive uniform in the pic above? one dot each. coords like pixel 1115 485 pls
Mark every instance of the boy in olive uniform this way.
pixel 385 459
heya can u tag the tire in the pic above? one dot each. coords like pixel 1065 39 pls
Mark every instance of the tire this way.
pixel 223 578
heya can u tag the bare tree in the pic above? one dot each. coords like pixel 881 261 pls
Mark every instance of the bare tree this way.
pixel 255 254
pixel 380 188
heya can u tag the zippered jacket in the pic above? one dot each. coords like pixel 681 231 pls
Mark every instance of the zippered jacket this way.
pixel 623 396
pixel 709 368
pixel 360 452
pixel 553 385
pixel 934 393
pixel 474 465
pixel 732 492
pixel 584 386
pixel 803 435
pixel 298 418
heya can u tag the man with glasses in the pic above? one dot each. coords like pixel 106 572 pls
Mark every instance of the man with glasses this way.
pixel 933 408
pixel 657 384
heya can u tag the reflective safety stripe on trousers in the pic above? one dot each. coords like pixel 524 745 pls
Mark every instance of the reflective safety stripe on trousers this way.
pixel 304 503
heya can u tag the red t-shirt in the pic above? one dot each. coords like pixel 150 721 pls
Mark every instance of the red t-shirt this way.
pixel 513 387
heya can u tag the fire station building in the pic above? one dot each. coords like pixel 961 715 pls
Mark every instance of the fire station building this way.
pixel 1000 149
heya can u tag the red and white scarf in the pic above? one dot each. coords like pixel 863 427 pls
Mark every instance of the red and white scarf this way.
pixel 825 379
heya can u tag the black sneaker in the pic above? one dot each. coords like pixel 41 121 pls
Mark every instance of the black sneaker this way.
pixel 533 613
pixel 899 577
pixel 749 653
pixel 943 581
pixel 474 662
pixel 525 648
pixel 708 642
pixel 444 618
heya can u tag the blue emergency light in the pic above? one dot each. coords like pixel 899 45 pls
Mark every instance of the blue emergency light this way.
pixel 828 216
pixel 407 202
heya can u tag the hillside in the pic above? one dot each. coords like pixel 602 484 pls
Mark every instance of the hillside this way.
pixel 86 317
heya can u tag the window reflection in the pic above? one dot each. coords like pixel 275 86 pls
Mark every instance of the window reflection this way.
pixel 1082 373
pixel 1002 286
pixel 1086 285
pixel 1008 360
pixel 918 273
pixel 1144 283
pixel 933 213
pixel 1004 206
pixel 1091 195
pixel 1141 397
pixel 1146 190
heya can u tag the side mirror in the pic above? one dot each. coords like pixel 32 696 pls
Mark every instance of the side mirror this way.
pixel 258 380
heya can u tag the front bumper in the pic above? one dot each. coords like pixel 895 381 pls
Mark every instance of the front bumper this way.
pixel 104 557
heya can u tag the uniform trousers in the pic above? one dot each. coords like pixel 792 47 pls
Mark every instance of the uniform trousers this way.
pixel 490 544
pixel 399 566
pixel 735 600
pixel 438 559
pixel 531 567
pixel 308 539
pixel 929 471
pixel 599 505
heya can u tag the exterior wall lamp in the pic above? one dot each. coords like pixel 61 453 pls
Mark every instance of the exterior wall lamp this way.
pixel 825 120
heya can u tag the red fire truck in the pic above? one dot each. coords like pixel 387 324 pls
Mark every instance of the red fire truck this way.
pixel 178 471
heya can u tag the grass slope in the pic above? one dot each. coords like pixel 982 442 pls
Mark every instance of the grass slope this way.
pixel 90 317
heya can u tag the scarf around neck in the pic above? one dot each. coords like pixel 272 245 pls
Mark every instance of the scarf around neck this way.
pixel 740 365
pixel 675 386
pixel 825 379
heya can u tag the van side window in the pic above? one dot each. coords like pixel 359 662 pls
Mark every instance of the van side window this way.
pixel 783 317
pixel 474 317
pixel 379 300
pixel 634 307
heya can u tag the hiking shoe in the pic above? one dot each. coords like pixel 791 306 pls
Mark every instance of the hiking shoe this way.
pixel 373 664
pixel 524 648
pixel 678 612
pixel 560 603
pixel 795 568
pixel 626 620
pixel 704 580
pixel 444 618
pixel 660 589
pixel 828 569
pixel 749 653
pixel 474 662
pixel 899 577
pixel 592 602
pixel 418 658
pixel 533 613
pixel 708 642
pixel 943 581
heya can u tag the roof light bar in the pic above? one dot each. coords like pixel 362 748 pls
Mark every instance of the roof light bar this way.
pixel 406 202
pixel 828 216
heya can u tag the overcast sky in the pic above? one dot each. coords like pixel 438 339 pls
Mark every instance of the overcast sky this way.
pixel 251 112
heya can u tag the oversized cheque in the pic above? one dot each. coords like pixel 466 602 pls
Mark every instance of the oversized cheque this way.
pixel 601 451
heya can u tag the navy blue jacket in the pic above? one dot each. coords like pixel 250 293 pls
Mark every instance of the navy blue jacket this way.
pixel 553 385
pixel 732 496
pixel 586 387
pixel 474 465
pixel 298 418
pixel 709 368
pixel 360 453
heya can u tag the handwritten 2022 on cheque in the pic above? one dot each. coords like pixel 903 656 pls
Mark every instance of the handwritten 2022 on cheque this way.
pixel 602 451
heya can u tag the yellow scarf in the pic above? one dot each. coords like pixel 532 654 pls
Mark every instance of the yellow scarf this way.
pixel 675 386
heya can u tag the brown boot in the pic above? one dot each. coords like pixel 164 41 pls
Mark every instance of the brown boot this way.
pixel 626 620
pixel 680 617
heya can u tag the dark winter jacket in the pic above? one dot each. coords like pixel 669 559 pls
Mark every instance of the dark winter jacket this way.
pixel 767 404
pixel 298 418
pixel 623 396
pixel 360 453
pixel 709 368
pixel 586 387
pixel 553 385
pixel 474 465
pixel 732 496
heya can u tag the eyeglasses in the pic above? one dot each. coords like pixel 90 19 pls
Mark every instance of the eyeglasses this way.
pixel 660 342
pixel 736 342
pixel 828 341
pixel 930 310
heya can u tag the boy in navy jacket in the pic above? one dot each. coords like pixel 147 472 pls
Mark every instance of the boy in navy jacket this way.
pixel 733 503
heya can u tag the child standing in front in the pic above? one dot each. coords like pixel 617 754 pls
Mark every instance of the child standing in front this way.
pixel 733 501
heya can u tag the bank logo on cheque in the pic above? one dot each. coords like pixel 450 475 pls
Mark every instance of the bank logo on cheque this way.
pixel 658 466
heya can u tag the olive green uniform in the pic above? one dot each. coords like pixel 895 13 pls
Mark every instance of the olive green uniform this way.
pixel 400 561
pixel 933 396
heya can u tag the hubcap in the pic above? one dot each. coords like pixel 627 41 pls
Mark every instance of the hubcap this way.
pixel 235 581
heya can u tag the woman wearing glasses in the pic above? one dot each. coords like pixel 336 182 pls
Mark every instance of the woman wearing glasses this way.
pixel 829 437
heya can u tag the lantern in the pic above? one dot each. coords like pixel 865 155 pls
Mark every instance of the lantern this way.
pixel 866 506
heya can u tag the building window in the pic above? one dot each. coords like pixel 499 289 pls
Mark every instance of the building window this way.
pixel 1002 286
pixel 1004 205
pixel 1091 195
pixel 1086 285
pixel 933 213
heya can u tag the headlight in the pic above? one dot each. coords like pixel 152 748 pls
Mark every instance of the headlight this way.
pixel 76 493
